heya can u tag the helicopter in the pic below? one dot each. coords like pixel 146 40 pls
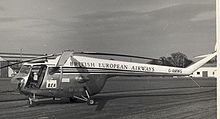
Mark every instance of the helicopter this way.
pixel 79 76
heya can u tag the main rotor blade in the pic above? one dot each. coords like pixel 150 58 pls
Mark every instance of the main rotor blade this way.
pixel 42 57
pixel 4 53
pixel 113 54
pixel 23 57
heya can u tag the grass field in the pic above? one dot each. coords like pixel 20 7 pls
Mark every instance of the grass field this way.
pixel 154 83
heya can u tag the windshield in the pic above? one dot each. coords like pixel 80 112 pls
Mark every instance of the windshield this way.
pixel 25 69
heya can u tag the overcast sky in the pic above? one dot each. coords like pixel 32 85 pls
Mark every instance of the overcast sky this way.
pixel 140 27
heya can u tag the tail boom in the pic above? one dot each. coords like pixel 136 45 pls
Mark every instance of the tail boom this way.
pixel 190 69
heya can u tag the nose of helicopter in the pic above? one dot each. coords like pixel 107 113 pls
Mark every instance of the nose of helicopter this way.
pixel 16 80
pixel 19 82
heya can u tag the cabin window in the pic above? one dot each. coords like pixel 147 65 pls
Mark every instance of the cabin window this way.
pixel 53 70
pixel 198 73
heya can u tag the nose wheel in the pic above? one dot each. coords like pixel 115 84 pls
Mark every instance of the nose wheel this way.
pixel 32 100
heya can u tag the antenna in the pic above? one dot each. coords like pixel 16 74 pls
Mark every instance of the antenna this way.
pixel 21 55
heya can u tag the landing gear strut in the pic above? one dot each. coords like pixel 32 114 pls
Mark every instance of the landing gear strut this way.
pixel 89 100
pixel 86 99
pixel 32 100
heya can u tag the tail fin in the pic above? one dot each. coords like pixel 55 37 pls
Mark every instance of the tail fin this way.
pixel 190 69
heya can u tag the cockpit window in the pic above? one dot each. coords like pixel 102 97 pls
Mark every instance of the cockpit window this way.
pixel 37 69
pixel 25 69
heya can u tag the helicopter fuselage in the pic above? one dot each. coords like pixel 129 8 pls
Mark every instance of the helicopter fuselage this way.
pixel 81 77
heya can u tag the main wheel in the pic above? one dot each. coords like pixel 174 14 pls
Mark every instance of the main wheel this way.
pixel 90 102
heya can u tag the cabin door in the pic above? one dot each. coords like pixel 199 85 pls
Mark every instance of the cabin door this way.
pixel 204 73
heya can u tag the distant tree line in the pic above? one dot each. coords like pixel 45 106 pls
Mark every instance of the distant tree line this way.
pixel 177 59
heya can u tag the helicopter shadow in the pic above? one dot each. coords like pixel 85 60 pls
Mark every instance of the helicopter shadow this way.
pixel 50 101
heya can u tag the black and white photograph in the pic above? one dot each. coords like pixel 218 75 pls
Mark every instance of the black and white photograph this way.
pixel 108 59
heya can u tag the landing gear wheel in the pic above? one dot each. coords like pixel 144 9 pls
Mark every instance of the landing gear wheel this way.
pixel 90 102
pixel 31 103
pixel 32 100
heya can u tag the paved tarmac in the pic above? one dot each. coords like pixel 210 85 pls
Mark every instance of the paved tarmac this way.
pixel 125 98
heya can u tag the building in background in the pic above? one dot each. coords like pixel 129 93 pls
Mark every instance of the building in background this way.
pixel 208 70
pixel 7 71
